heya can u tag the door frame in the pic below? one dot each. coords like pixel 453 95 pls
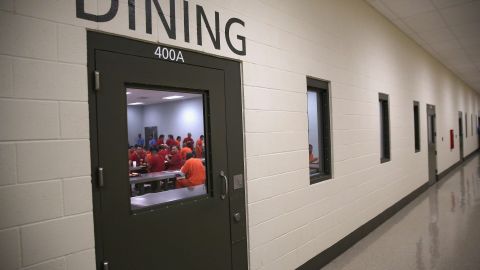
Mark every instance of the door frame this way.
pixel 155 134
pixel 235 133
pixel 432 179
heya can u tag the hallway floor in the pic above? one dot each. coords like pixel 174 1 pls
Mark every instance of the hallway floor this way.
pixel 438 230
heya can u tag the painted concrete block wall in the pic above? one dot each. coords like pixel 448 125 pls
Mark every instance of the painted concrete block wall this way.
pixel 46 202
pixel 45 190
pixel 177 118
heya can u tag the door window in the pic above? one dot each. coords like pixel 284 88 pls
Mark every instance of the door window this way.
pixel 166 146
pixel 431 129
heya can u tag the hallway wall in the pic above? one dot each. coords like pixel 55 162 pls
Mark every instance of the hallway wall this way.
pixel 45 192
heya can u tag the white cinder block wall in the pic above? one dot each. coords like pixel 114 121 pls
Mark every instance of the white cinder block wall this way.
pixel 45 194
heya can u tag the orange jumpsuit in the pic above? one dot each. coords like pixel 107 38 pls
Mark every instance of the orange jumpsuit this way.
pixel 199 149
pixel 194 173
pixel 184 152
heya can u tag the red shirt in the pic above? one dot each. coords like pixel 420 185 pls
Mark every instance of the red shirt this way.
pixel 163 153
pixel 157 163
pixel 175 162
pixel 160 142
pixel 136 157
pixel 171 142
pixel 187 140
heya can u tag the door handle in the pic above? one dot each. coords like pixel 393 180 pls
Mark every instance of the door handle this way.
pixel 225 185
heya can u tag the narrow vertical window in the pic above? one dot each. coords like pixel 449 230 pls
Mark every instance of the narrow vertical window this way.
pixel 416 123
pixel 471 124
pixel 384 128
pixel 318 130
pixel 466 125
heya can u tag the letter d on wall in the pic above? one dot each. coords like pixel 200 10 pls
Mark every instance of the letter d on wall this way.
pixel 112 12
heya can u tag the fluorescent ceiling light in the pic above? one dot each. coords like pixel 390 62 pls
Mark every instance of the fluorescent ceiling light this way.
pixel 128 93
pixel 173 97
pixel 136 103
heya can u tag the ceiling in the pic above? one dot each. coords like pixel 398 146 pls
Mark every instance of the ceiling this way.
pixel 448 29
pixel 150 97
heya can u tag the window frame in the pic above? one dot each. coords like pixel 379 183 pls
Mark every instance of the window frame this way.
pixel 385 141
pixel 416 126
pixel 209 184
pixel 321 88
pixel 471 124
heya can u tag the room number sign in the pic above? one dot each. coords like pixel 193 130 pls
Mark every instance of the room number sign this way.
pixel 169 54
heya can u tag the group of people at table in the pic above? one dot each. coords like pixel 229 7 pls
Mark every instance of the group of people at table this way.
pixel 158 155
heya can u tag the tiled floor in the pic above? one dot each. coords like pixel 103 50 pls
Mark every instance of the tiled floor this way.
pixel 438 230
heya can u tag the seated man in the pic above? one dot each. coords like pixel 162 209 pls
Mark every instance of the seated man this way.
pixel 171 141
pixel 156 162
pixel 160 140
pixel 175 161
pixel 138 156
pixel 185 150
pixel 194 172
pixel 163 150
pixel 311 158
pixel 179 141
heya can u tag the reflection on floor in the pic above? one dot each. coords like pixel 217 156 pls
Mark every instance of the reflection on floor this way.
pixel 439 230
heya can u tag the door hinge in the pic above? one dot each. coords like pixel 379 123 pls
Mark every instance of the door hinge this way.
pixel 435 152
pixel 105 266
pixel 100 177
pixel 97 80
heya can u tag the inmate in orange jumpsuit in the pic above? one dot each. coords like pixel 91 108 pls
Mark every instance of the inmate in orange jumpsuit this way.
pixel 194 173
pixel 148 156
pixel 184 152
pixel 199 149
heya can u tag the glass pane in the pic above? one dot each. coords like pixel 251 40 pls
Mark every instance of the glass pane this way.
pixel 471 124
pixel 417 127
pixel 382 136
pixel 315 139
pixel 166 154
pixel 384 131
pixel 431 129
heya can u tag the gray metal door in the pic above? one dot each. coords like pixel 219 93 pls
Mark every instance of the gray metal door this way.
pixel 432 146
pixel 204 231
pixel 460 133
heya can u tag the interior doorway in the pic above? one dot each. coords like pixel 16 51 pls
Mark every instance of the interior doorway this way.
pixel 151 133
